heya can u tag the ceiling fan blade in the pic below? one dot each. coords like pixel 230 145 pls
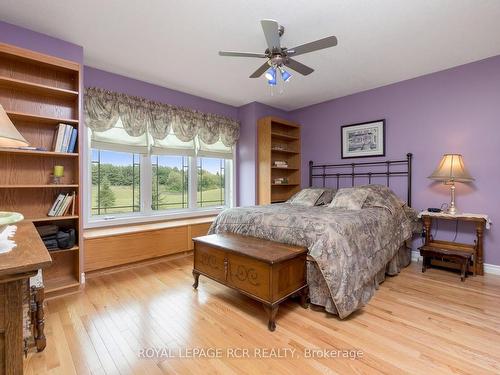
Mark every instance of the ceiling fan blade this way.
pixel 299 67
pixel 271 32
pixel 241 54
pixel 260 71
pixel 329 41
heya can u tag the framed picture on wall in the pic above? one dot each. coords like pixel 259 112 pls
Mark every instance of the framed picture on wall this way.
pixel 363 140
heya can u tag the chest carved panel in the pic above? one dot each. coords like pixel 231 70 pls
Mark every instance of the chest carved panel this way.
pixel 250 275
pixel 209 260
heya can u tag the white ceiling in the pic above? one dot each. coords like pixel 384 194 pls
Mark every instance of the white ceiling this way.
pixel 175 43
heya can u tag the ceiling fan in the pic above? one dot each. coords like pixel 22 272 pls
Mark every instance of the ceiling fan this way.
pixel 279 57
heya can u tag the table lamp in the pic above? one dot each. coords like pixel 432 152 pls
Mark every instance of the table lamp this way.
pixel 9 137
pixel 450 169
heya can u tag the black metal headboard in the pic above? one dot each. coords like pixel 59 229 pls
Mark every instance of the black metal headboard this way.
pixel 325 171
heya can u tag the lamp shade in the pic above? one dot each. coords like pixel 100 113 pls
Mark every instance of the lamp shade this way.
pixel 9 136
pixel 451 168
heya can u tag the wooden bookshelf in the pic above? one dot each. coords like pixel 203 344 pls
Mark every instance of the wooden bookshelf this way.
pixel 11 83
pixel 39 92
pixel 37 152
pixel 51 218
pixel 33 186
pixel 37 119
pixel 278 139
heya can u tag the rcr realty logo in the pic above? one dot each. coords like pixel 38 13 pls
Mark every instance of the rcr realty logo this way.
pixel 257 353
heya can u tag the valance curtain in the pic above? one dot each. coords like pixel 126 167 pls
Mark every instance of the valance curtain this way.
pixel 131 124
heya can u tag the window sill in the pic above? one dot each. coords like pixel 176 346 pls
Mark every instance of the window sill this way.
pixel 144 227
pixel 158 219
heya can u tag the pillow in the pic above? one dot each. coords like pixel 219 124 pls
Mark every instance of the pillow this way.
pixel 326 197
pixel 381 196
pixel 349 198
pixel 308 197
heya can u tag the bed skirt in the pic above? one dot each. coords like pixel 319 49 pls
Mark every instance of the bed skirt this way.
pixel 318 289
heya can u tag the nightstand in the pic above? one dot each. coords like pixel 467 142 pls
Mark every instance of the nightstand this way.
pixel 469 256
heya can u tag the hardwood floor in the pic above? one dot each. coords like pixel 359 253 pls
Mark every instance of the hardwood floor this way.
pixel 417 323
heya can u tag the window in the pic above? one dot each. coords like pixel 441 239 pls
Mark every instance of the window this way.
pixel 170 185
pixel 211 182
pixel 148 161
pixel 134 187
pixel 116 184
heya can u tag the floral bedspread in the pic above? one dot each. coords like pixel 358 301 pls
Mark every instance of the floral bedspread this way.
pixel 350 247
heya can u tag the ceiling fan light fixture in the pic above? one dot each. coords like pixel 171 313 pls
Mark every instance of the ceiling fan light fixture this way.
pixel 285 75
pixel 271 75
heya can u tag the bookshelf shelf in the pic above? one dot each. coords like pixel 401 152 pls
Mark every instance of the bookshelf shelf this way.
pixel 22 116
pixel 39 92
pixel 52 218
pixel 283 136
pixel 43 186
pixel 36 88
pixel 285 151
pixel 286 169
pixel 59 284
pixel 74 248
pixel 39 153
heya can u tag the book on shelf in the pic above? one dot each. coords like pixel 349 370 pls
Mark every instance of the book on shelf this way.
pixel 56 204
pixel 67 135
pixel 65 138
pixel 281 163
pixel 280 181
pixel 58 139
pixel 72 140
pixel 63 204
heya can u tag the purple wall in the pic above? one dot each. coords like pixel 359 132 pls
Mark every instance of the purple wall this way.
pixel 42 43
pixel 246 172
pixel 453 111
pixel 99 78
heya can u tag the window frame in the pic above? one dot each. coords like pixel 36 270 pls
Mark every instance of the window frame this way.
pixel 147 214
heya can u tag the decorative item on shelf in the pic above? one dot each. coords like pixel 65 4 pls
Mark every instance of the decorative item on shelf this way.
pixel 7 230
pixel 363 140
pixel 451 168
pixel 33 148
pixel 278 147
pixel 280 181
pixel 57 175
pixel 281 163
pixel 55 238
pixel 9 135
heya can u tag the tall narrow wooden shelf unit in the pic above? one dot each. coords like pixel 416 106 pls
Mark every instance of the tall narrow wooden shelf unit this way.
pixel 39 92
pixel 278 141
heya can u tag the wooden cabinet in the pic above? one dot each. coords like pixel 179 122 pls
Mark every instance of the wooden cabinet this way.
pixel 39 92
pixel 278 160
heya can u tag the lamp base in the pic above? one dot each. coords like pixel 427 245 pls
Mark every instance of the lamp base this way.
pixel 452 210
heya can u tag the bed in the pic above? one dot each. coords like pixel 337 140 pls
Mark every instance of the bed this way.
pixel 350 251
